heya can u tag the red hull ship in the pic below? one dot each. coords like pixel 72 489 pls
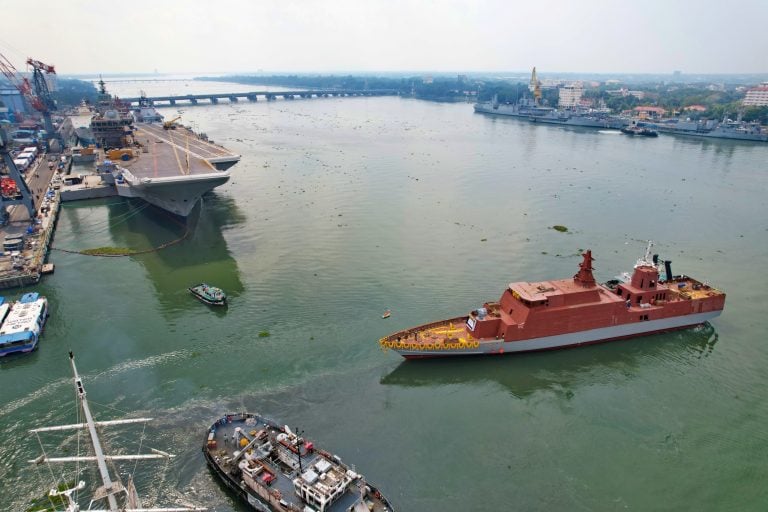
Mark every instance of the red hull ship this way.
pixel 568 312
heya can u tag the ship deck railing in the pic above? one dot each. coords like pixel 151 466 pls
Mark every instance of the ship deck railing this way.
pixel 431 339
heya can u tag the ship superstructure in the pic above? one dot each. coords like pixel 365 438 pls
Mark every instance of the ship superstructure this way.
pixel 165 164
pixel 727 129
pixel 568 312
pixel 274 469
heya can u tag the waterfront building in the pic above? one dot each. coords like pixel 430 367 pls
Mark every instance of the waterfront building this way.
pixel 757 96
pixel 570 96
pixel 647 112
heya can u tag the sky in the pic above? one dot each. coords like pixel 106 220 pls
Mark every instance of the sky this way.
pixel 326 36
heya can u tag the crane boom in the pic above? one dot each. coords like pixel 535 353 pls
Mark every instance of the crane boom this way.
pixel 535 86
pixel 43 100
pixel 15 78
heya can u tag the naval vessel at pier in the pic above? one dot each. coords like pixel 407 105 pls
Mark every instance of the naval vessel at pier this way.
pixel 163 163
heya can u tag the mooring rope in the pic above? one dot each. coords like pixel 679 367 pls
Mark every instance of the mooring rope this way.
pixel 132 252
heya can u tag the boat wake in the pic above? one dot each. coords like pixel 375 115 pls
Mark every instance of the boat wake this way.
pixel 151 361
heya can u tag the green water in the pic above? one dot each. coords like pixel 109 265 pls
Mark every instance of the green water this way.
pixel 342 208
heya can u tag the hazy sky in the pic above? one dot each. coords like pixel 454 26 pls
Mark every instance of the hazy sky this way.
pixel 653 36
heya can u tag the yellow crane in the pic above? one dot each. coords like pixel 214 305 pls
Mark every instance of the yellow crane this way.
pixel 171 125
pixel 535 87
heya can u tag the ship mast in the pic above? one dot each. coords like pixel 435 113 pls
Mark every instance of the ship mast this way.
pixel 109 488
pixel 100 461
pixel 584 275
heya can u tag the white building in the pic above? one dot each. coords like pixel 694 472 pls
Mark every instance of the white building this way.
pixel 570 96
pixel 757 96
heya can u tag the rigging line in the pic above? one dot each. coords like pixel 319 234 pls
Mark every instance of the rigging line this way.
pixel 42 482
pixel 21 55
pixel 78 417
pixel 125 216
pixel 42 448
pixel 107 221
pixel 129 214
pixel 138 452
pixel 107 406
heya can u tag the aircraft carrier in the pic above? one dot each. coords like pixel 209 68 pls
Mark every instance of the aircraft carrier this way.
pixel 163 163
pixel 171 168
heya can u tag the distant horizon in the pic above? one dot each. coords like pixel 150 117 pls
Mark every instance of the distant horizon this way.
pixel 761 76
pixel 540 72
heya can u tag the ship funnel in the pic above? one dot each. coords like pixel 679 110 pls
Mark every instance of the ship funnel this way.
pixel 668 269
pixel 655 259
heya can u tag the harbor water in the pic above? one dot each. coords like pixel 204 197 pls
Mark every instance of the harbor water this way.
pixel 342 208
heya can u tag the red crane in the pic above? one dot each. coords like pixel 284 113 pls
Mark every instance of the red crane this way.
pixel 36 93
pixel 13 76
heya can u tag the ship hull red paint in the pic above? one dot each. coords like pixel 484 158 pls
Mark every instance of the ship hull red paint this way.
pixel 436 355
pixel 548 315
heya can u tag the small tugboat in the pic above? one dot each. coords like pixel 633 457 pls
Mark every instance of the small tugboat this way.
pixel 569 312
pixel 273 469
pixel 113 494
pixel 640 131
pixel 209 294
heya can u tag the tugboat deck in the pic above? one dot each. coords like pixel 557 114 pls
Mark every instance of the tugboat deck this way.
pixel 266 475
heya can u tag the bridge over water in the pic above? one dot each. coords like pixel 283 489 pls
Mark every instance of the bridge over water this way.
pixel 234 97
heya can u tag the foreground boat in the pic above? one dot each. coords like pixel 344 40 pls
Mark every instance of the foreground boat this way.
pixel 22 323
pixel 274 469
pixel 568 312
pixel 209 294
pixel 118 496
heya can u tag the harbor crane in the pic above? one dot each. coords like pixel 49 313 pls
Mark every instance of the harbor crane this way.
pixel 43 100
pixel 25 199
pixel 535 87
pixel 25 195
pixel 37 93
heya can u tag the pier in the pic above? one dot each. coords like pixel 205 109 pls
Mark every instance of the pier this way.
pixel 234 97
pixel 23 265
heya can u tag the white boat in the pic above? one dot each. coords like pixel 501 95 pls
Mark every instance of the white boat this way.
pixel 22 323
pixel 113 494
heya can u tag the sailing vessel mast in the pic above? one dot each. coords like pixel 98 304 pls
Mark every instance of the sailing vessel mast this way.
pixel 109 489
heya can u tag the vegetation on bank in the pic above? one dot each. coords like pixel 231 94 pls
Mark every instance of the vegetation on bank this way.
pixel 70 92
pixel 720 100
pixel 439 89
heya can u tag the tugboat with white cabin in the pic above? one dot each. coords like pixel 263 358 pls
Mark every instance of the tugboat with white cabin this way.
pixel 274 469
